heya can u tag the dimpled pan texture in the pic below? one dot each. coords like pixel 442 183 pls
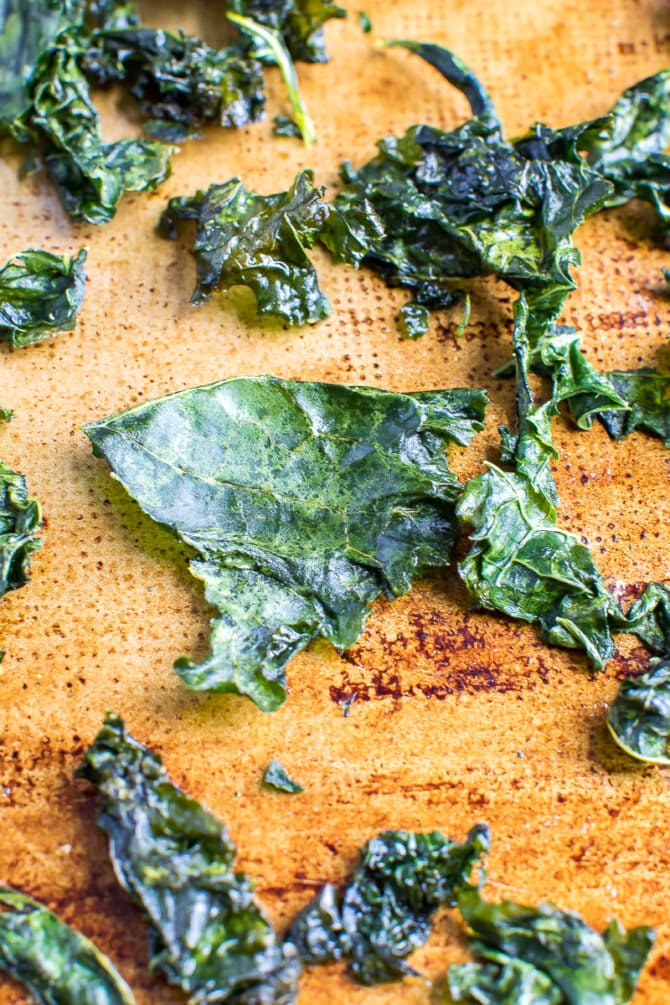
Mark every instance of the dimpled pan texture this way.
pixel 459 716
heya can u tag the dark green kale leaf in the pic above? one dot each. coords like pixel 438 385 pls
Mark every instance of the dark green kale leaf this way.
pixel 20 519
pixel 299 22
pixel 365 22
pixel 244 239
pixel 208 936
pixel 304 502
pixel 283 126
pixel 385 912
pixel 639 716
pixel 27 28
pixel 276 777
pixel 40 293
pixel 180 81
pixel 520 562
pixel 649 617
pixel 647 393
pixel 466 203
pixel 508 982
pixel 586 967
pixel 57 964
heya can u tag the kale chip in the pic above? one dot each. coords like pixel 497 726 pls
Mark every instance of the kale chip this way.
pixel 303 501
pixel 20 519
pixel 40 293
pixel 276 777
pixel 385 911
pixel 57 964
pixel 639 716
pixel 583 966
pixel 299 22
pixel 208 935
pixel 244 239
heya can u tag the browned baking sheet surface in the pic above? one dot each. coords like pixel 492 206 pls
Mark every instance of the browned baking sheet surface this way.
pixel 460 716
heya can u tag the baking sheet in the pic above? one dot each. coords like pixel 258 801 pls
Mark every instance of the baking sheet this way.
pixel 459 716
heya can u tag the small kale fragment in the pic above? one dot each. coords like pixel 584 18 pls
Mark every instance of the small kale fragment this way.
pixel 520 562
pixel 649 617
pixel 283 126
pixel 20 519
pixel 303 501
pixel 587 968
pixel 365 22
pixel 639 716
pixel 40 293
pixel 385 912
pixel 413 320
pixel 208 936
pixel 299 22
pixel 507 982
pixel 244 239
pixel 276 777
pixel 57 964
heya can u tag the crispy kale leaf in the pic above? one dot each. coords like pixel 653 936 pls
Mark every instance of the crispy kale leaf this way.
pixel 40 293
pixel 385 912
pixel 27 28
pixel 244 239
pixel 180 82
pixel 304 502
pixel 20 519
pixel 647 394
pixel 507 982
pixel 466 203
pixel 208 936
pixel 520 562
pixel 649 617
pixel 58 965
pixel 639 716
pixel 585 967
pixel 276 777
pixel 299 22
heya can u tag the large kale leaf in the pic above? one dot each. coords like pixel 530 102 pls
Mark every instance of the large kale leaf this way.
pixel 244 239
pixel 299 22
pixel 208 936
pixel 40 293
pixel 58 965
pixel 20 519
pixel 385 912
pixel 520 562
pixel 587 968
pixel 304 502
pixel 466 203
pixel 180 82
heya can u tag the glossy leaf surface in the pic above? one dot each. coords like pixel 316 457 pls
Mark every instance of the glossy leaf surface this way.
pixel 639 716
pixel 208 936
pixel 299 22
pixel 40 293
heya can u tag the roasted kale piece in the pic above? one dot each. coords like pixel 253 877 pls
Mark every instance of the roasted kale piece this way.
pixel 180 82
pixel 40 293
pixel 244 239
pixel 385 912
pixel 57 964
pixel 466 203
pixel 639 716
pixel 208 936
pixel 276 777
pixel 520 562
pixel 20 519
pixel 299 22
pixel 585 967
pixel 506 982
pixel 304 502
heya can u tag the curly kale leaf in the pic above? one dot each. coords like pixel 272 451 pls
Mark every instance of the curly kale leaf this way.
pixel 587 968
pixel 639 716
pixel 299 22
pixel 520 562
pixel 276 777
pixel 208 936
pixel 180 81
pixel 649 617
pixel 466 203
pixel 57 964
pixel 244 239
pixel 507 982
pixel 304 502
pixel 40 293
pixel 20 519
pixel 647 394
pixel 27 29
pixel 385 912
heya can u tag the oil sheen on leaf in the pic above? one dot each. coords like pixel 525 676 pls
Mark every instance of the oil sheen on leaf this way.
pixel 303 501
pixel 57 964
pixel 20 520
pixel 639 716
pixel 40 293
pixel 385 912
pixel 208 936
